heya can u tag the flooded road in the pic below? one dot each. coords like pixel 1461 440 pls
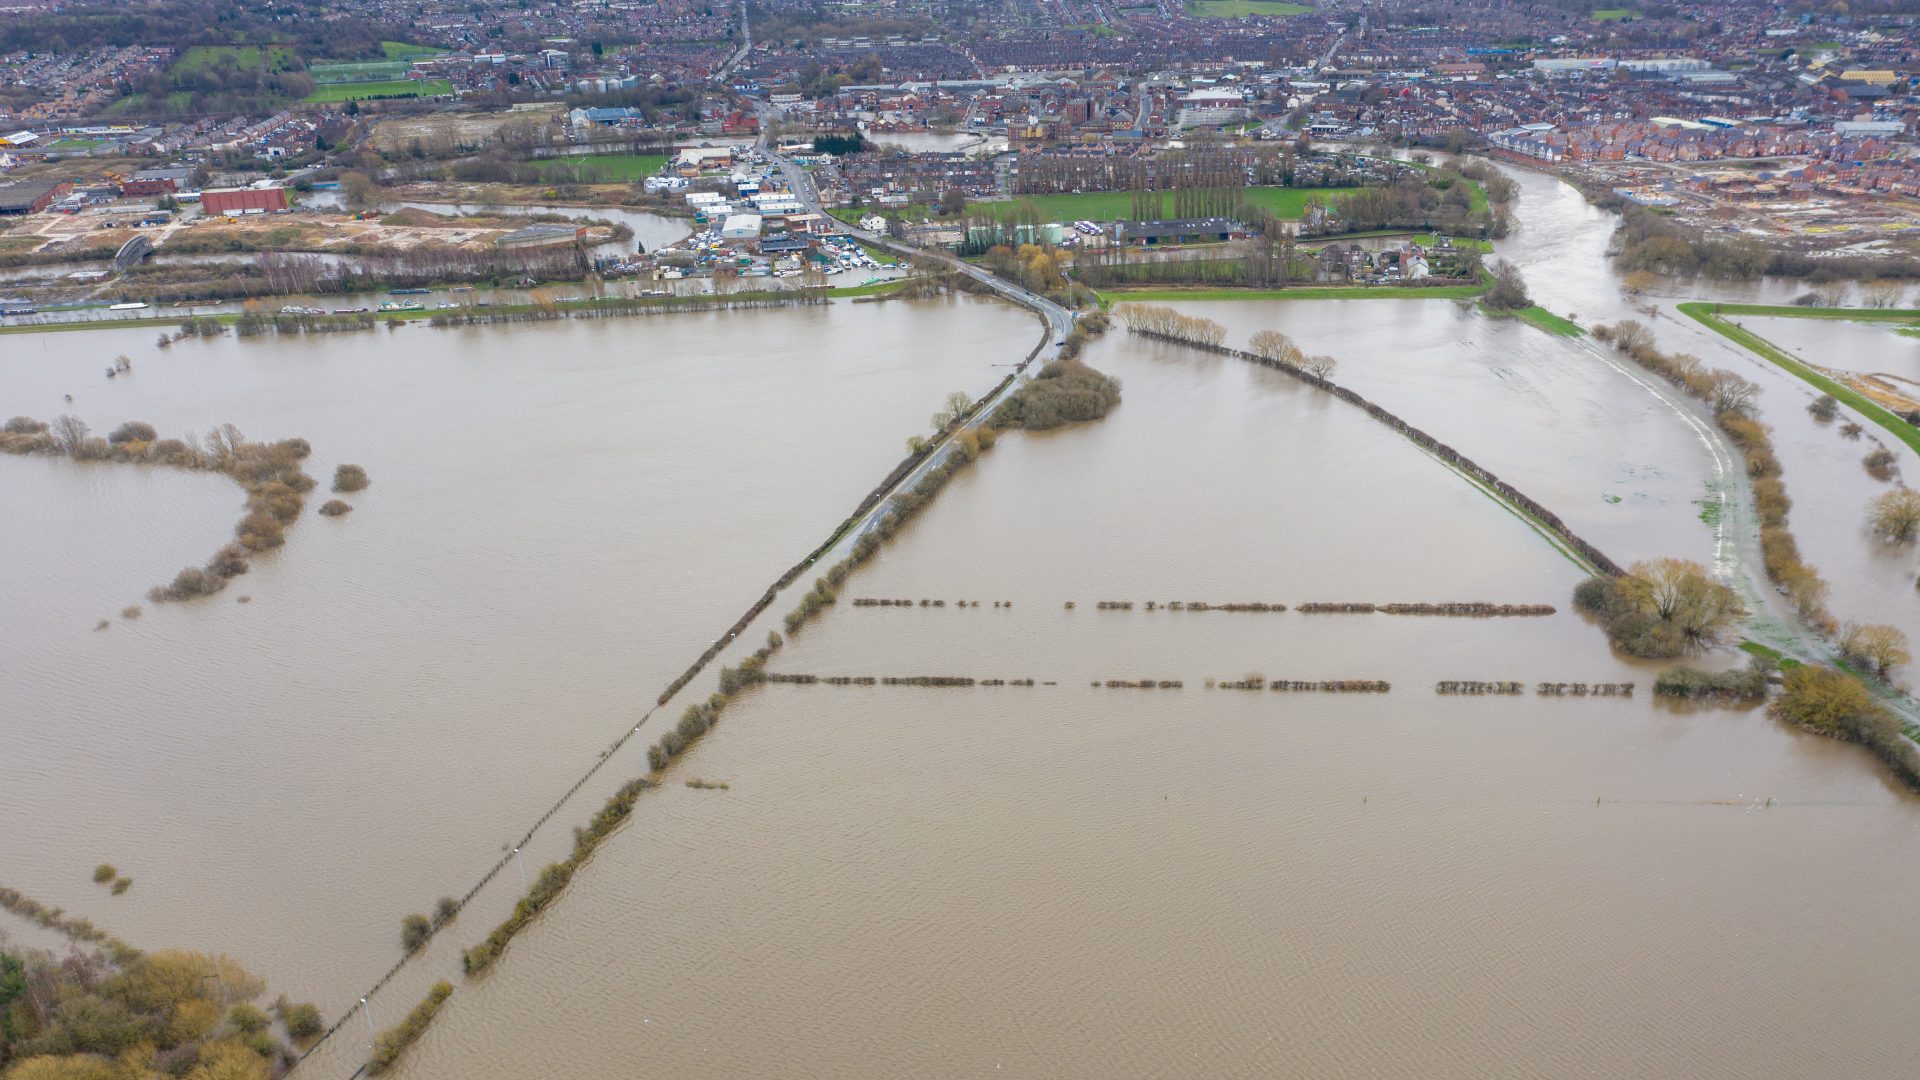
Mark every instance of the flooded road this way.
pixel 1054 880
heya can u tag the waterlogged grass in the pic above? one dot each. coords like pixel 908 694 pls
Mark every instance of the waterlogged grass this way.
pixel 1540 317
pixel 1710 316
pixel 1781 660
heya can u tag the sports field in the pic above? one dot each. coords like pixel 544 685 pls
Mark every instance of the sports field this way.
pixel 1239 9
pixel 602 168
pixel 1118 205
pixel 393 88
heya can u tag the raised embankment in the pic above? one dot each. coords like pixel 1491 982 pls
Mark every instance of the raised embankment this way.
pixel 1546 519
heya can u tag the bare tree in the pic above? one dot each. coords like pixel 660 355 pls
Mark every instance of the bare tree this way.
pixel 69 432
pixel 1878 647
pixel 1730 393
pixel 1320 365
pixel 1274 345
pixel 1896 515
pixel 1630 335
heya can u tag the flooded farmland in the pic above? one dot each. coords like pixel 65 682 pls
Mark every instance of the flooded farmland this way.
pixel 559 513
pixel 1056 879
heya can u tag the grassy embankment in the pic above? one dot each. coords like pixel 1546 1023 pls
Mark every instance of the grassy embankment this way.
pixel 231 317
pixel 1709 315
pixel 1540 317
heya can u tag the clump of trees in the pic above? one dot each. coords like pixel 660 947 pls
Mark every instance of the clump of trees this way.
pixel 1828 702
pixel 1278 347
pixel 270 472
pixel 1661 609
pixel 350 478
pixel 1508 291
pixel 1158 320
pixel 1896 515
pixel 100 1015
pixel 1064 392
pixel 1877 647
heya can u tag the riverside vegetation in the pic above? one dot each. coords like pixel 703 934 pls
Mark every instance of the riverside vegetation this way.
pixel 113 1012
pixel 269 472
pixel 1663 608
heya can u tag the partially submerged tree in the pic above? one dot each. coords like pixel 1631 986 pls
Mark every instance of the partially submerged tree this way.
pixel 1662 608
pixel 1896 515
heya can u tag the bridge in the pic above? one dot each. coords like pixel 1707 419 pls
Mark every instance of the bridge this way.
pixel 132 252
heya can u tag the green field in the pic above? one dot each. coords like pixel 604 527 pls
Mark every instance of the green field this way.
pixel 1710 316
pixel 1118 205
pixel 394 88
pixel 243 57
pixel 1238 9
pixel 1615 15
pixel 75 144
pixel 176 101
pixel 400 50
pixel 607 168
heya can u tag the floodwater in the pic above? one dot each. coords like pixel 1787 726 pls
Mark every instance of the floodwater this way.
pixel 1864 348
pixel 1076 881
pixel 1056 880
pixel 560 515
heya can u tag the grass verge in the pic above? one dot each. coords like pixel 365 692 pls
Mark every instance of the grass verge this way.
pixel 1540 317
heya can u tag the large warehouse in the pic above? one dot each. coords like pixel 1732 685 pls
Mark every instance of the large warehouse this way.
pixel 243 200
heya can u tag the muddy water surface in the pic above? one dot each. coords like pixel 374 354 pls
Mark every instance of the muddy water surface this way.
pixel 1069 881
pixel 560 515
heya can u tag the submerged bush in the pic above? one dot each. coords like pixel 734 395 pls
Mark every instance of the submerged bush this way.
pixel 334 508
pixel 348 478
pixel 1744 684
pixel 1827 702
pixel 394 1041
pixel 415 929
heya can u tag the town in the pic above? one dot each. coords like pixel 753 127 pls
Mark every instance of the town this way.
pixel 1789 132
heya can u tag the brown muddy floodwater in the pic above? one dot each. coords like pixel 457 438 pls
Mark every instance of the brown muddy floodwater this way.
pixel 561 516
pixel 1045 881
pixel 1069 881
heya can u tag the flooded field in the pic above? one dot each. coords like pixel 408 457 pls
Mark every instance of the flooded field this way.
pixel 559 516
pixel 1055 879
pixel 1862 347
pixel 1070 881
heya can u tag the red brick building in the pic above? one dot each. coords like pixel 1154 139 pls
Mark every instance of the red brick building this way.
pixel 242 200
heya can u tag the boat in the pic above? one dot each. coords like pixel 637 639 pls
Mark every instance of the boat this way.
pixel 406 305
pixel 406 292
pixel 134 306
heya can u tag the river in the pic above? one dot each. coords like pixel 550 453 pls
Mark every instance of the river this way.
pixel 1048 881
